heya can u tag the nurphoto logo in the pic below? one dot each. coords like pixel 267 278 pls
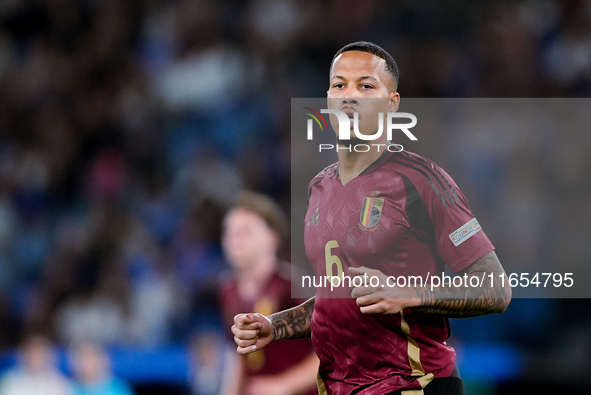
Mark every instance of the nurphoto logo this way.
pixel 350 122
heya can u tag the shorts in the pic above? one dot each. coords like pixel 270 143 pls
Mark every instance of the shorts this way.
pixel 452 385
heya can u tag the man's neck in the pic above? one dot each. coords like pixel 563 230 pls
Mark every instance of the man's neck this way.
pixel 351 164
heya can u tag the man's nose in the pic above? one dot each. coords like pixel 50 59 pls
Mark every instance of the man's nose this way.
pixel 351 92
pixel 349 101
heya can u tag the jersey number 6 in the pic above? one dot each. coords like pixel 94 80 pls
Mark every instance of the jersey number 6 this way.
pixel 333 260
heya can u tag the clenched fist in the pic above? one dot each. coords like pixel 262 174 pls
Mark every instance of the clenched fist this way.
pixel 252 332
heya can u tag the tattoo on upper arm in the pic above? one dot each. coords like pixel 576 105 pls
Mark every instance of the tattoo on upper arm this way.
pixel 466 301
pixel 294 323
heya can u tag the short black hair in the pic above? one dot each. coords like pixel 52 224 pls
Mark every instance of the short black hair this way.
pixel 364 46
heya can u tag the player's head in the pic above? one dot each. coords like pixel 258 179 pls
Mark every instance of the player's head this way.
pixel 363 79
pixel 253 229
pixel 388 65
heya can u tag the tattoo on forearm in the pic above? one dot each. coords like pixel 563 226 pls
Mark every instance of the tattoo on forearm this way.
pixel 294 323
pixel 460 302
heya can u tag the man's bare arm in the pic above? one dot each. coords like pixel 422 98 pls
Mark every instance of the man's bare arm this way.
pixel 466 301
pixel 294 323
pixel 253 331
pixel 451 301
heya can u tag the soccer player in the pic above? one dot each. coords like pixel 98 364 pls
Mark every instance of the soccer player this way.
pixel 252 234
pixel 388 214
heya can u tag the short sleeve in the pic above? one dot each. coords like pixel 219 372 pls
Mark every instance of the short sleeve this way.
pixel 456 233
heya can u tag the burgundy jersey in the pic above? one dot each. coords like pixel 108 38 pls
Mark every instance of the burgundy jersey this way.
pixel 275 296
pixel 404 216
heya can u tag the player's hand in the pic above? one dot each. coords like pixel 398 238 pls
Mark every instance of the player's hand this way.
pixel 252 332
pixel 380 298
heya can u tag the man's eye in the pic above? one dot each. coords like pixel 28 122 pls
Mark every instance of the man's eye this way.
pixel 366 86
pixel 338 85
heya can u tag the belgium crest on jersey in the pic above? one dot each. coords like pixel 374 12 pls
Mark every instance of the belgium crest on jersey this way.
pixel 371 211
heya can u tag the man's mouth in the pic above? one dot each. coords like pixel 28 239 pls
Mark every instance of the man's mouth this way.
pixel 349 111
pixel 351 114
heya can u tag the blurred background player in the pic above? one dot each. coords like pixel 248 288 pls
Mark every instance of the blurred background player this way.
pixel 93 376
pixel 36 372
pixel 252 234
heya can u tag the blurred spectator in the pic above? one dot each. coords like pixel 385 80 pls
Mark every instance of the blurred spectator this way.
pixel 198 262
pixel 156 299
pixel 567 56
pixel 253 231
pixel 36 372
pixel 209 178
pixel 206 68
pixel 90 365
pixel 212 364
pixel 89 317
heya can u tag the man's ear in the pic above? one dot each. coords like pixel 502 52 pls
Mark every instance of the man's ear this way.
pixel 394 101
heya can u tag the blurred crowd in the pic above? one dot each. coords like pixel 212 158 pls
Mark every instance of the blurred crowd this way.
pixel 37 371
pixel 128 126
